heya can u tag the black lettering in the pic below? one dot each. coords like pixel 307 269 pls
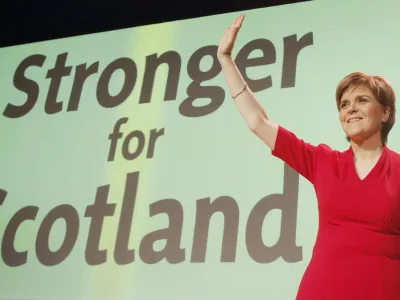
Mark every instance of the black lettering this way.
pixel 292 48
pixel 82 73
pixel 196 91
pixel 173 61
pixel 205 210
pixel 24 84
pixel 3 195
pixel 287 203
pixel 129 68
pixel 122 254
pixel 141 140
pixel 11 256
pixel 56 74
pixel 115 136
pixel 172 251
pixel 44 254
pixel 243 62
pixel 97 211
pixel 154 135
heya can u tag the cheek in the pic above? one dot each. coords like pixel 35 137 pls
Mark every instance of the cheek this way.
pixel 374 114
pixel 342 117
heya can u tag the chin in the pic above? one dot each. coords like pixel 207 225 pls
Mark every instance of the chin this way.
pixel 355 136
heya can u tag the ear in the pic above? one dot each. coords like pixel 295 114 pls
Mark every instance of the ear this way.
pixel 386 114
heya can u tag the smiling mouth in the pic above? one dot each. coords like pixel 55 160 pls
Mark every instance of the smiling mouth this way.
pixel 352 120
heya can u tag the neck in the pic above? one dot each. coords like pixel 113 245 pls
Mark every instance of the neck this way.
pixel 367 149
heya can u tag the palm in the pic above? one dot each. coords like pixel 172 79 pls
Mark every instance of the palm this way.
pixel 228 40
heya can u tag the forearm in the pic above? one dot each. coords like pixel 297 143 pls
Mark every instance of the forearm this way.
pixel 247 103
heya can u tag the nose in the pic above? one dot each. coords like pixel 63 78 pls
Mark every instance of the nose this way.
pixel 352 107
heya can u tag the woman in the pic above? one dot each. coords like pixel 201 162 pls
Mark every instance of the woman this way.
pixel 357 251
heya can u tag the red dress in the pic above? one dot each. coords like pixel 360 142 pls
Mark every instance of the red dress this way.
pixel 357 251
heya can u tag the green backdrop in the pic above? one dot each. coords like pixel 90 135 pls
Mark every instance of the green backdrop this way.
pixel 54 157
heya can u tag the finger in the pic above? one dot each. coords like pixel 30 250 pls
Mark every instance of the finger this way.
pixel 233 34
pixel 234 30
pixel 227 30
pixel 239 20
pixel 235 21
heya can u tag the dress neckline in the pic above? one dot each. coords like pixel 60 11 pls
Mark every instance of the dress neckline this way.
pixel 375 172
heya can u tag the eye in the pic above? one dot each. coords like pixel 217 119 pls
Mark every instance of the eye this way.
pixel 363 100
pixel 343 104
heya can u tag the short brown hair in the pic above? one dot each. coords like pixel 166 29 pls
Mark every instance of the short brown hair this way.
pixel 381 89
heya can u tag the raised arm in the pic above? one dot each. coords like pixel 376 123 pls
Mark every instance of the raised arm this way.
pixel 301 156
pixel 247 103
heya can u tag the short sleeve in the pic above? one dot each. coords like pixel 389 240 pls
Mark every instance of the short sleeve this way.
pixel 299 155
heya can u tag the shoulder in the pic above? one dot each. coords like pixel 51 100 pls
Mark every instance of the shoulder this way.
pixel 329 157
pixel 289 141
pixel 392 171
pixel 394 160
pixel 307 158
pixel 394 156
pixel 327 153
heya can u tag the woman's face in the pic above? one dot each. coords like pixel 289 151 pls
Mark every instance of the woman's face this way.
pixel 361 115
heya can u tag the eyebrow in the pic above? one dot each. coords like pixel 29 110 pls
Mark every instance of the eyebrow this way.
pixel 364 95
pixel 361 95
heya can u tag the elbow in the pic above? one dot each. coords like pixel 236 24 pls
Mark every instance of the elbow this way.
pixel 255 123
pixel 264 129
